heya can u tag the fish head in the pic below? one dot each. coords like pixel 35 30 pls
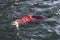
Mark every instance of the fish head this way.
pixel 15 22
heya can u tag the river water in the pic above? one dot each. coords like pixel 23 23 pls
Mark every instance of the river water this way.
pixel 9 10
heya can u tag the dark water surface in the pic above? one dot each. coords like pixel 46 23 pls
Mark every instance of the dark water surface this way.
pixel 9 10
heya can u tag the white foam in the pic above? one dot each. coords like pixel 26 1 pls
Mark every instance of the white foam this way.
pixel 57 30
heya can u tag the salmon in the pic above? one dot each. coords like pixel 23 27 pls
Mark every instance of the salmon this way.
pixel 29 19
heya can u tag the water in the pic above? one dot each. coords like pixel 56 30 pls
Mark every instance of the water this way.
pixel 49 30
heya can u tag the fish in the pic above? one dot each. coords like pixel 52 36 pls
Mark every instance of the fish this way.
pixel 29 19
pixel 26 20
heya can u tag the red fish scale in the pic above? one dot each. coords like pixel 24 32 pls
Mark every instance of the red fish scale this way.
pixel 31 18
pixel 25 19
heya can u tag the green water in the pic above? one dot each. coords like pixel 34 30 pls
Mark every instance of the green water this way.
pixel 35 31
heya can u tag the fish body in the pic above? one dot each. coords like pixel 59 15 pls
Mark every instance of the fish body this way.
pixel 29 19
